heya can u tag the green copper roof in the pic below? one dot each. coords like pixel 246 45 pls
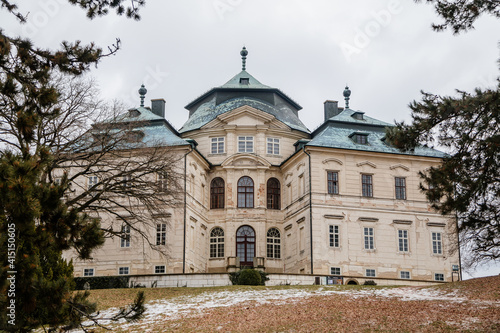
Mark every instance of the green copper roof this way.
pixel 210 110
pixel 338 132
pixel 236 82
pixel 347 116
pixel 156 130
pixel 139 114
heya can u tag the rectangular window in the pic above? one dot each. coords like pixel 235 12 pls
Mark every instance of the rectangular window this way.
pixel 162 181
pixel 333 182
pixel 92 181
pixel 126 181
pixel 123 270
pixel 88 272
pixel 159 269
pixel 367 185
pixel 404 274
pixel 437 244
pixel 400 184
pixel 334 236
pixel 161 234
pixel 369 239
pixel 334 270
pixel 403 240
pixel 245 144
pixel 217 145
pixel 438 277
pixel 370 273
pixel 125 236
pixel 361 139
pixel 273 146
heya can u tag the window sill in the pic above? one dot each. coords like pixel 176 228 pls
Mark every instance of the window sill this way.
pixel 221 154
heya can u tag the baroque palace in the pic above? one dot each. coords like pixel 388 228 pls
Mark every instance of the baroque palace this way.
pixel 263 191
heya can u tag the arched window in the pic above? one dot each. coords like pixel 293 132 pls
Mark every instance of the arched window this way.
pixel 273 244
pixel 217 193
pixel 245 245
pixel 273 194
pixel 217 243
pixel 245 192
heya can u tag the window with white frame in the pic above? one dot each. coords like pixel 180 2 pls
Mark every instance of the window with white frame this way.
pixel 273 146
pixel 438 277
pixel 369 239
pixel 163 181
pixel 245 144
pixel 404 275
pixel 217 145
pixel 126 181
pixel 160 269
pixel 334 233
pixel 403 240
pixel 217 243
pixel 370 272
pixel 88 272
pixel 437 243
pixel 273 244
pixel 125 236
pixel 123 270
pixel 161 233
pixel 92 181
pixel 334 270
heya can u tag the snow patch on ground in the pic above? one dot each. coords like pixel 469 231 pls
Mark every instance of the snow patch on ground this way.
pixel 171 309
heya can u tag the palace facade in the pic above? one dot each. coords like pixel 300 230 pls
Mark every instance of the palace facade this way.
pixel 262 190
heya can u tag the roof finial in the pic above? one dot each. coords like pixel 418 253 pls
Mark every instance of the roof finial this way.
pixel 142 92
pixel 347 93
pixel 244 54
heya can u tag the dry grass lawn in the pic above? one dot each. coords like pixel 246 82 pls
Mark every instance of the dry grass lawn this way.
pixel 468 306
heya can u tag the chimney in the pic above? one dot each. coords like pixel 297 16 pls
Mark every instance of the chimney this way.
pixel 331 109
pixel 158 107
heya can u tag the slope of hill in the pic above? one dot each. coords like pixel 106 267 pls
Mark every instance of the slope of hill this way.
pixel 469 306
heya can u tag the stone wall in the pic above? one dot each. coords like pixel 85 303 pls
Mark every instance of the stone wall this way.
pixel 222 279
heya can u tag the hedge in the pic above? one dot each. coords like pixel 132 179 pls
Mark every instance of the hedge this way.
pixel 102 282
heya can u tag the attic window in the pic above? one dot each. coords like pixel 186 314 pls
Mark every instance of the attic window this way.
pixel 358 115
pixel 133 113
pixel 134 136
pixel 245 80
pixel 359 138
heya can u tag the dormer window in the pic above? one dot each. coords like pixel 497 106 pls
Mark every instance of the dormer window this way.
pixel 360 138
pixel 133 113
pixel 358 115
pixel 245 80
pixel 134 136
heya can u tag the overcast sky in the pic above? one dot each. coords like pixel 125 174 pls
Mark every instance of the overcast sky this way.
pixel 385 50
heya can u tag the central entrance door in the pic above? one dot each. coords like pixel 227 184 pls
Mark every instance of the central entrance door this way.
pixel 245 245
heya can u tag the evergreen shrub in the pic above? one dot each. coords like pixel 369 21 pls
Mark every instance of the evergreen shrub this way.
pixel 249 277
pixel 102 282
